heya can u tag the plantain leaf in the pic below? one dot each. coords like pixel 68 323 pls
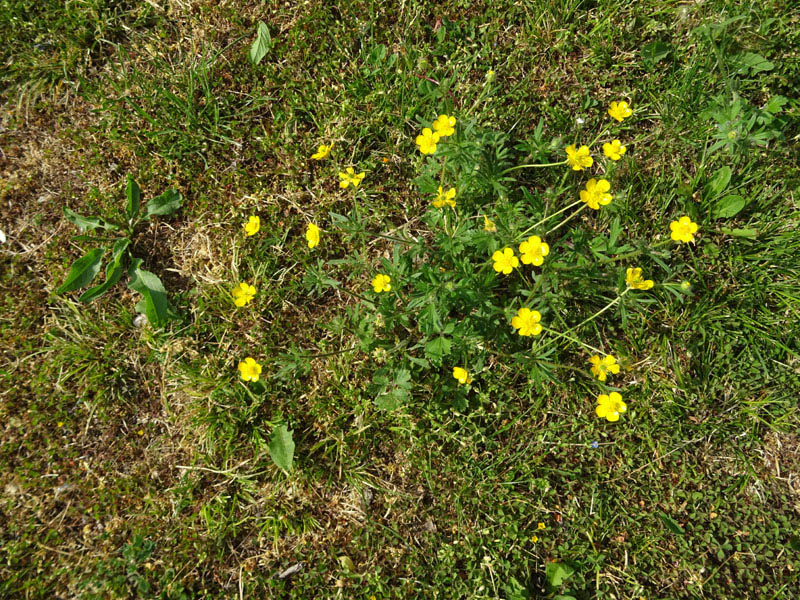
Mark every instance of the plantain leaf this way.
pixel 281 447
pixel 165 204
pixel 114 271
pixel 728 206
pixel 83 271
pixel 84 223
pixel 261 45
pixel 134 194
pixel 154 296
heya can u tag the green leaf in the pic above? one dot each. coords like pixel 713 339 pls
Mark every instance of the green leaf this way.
pixel 261 45
pixel 655 52
pixel 751 61
pixel 728 206
pixel 83 271
pixel 114 271
pixel 555 573
pixel 776 104
pixel 743 233
pixel 281 447
pixel 134 194
pixel 84 223
pixel 165 204
pixel 154 296
pixel 671 524
pixel 794 543
pixel 717 184
pixel 437 348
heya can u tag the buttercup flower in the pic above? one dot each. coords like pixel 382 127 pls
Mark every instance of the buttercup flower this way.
pixel 505 261
pixel 312 235
pixel 444 125
pixel 596 193
pixel 601 367
pixel 242 294
pixel 683 230
pixel 462 375
pixel 249 369
pixel 534 538
pixel 614 150
pixel 489 225
pixel 533 251
pixel 579 159
pixel 620 110
pixel 634 279
pixel 253 225
pixel 527 321
pixel 322 151
pixel 348 177
pixel 427 141
pixel 381 283
pixel 610 406
pixel 541 526
pixel 445 198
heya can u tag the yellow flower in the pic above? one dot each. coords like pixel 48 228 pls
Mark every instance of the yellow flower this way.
pixel 462 375
pixel 60 424
pixel 249 369
pixel 610 406
pixel 527 321
pixel 427 141
pixel 322 152
pixel 312 235
pixel 634 279
pixel 348 177
pixel 445 198
pixel 683 230
pixel 505 261
pixel 596 193
pixel 381 283
pixel 253 225
pixel 534 538
pixel 601 367
pixel 620 110
pixel 242 294
pixel 686 285
pixel 579 159
pixel 541 525
pixel 614 150
pixel 444 125
pixel 533 251
pixel 488 225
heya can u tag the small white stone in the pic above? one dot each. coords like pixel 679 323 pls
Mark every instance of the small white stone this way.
pixel 139 320
pixel 2 237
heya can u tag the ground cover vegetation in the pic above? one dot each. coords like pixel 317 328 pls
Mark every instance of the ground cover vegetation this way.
pixel 435 300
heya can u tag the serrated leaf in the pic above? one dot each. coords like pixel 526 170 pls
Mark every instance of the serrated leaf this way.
pixel 261 45
pixel 717 184
pixel 281 447
pixel 671 524
pixel 437 348
pixel 752 61
pixel 728 206
pixel 555 573
pixel 134 195
pixel 83 271
pixel 84 223
pixel 154 296
pixel 165 204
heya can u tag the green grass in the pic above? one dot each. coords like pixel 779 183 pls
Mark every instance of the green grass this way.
pixel 158 481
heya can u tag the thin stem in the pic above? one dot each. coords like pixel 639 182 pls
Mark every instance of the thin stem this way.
pixel 634 252
pixel 534 166
pixel 599 135
pixel 572 339
pixel 566 220
pixel 324 354
pixel 601 311
pixel 355 295
pixel 547 218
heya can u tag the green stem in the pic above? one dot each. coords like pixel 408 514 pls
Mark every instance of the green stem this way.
pixel 634 252
pixel 572 339
pixel 534 166
pixel 547 218
pixel 324 354
pixel 566 220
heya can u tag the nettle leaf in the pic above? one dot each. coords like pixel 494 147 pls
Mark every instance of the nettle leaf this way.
pixel 134 194
pixel 83 271
pixel 84 223
pixel 261 45
pixel 720 180
pixel 281 447
pixel 728 206
pixel 154 297
pixel 165 204
pixel 114 271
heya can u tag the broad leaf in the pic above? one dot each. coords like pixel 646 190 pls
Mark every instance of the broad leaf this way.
pixel 165 204
pixel 728 206
pixel 717 184
pixel 134 194
pixel 671 524
pixel 555 573
pixel 751 61
pixel 114 271
pixel 83 271
pixel 437 348
pixel 281 447
pixel 261 45
pixel 84 223
pixel 154 296
pixel 655 52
